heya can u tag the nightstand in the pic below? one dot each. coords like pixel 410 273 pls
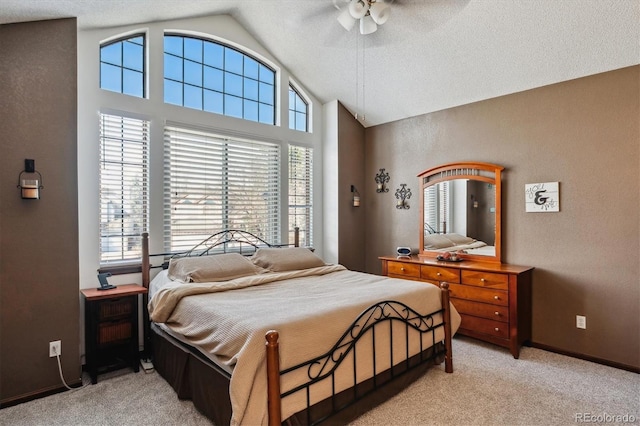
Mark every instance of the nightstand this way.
pixel 111 329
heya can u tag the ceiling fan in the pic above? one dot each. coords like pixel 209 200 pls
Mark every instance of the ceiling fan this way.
pixel 370 14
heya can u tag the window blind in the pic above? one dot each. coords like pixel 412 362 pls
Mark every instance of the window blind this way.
pixel 436 203
pixel 301 193
pixel 123 187
pixel 213 183
pixel 444 207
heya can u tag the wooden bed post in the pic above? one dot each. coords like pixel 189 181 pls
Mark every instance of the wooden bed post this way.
pixel 448 361
pixel 146 267
pixel 145 260
pixel 273 379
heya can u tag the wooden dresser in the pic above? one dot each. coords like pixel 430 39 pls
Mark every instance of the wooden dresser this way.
pixel 493 299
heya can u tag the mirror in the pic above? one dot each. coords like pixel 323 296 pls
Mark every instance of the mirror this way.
pixel 461 211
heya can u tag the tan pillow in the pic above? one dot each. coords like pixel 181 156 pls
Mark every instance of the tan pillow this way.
pixel 219 267
pixel 436 241
pixel 458 239
pixel 286 259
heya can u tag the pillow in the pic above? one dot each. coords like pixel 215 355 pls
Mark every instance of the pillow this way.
pixel 437 241
pixel 458 239
pixel 219 267
pixel 286 259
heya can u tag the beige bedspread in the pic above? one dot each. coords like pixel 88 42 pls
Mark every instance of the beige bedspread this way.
pixel 309 308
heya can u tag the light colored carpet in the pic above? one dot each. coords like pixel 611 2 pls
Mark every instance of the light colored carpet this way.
pixel 488 387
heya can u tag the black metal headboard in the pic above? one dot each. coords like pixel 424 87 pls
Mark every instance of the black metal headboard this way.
pixel 231 240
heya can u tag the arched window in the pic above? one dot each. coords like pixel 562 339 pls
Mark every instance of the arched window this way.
pixel 215 174
pixel 298 111
pixel 122 66
pixel 212 77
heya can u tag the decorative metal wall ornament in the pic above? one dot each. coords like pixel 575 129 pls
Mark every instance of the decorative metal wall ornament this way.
pixel 382 179
pixel 403 194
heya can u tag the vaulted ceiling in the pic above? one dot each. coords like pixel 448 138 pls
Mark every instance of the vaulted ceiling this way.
pixel 430 55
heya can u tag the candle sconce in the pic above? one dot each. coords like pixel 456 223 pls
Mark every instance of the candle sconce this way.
pixel 382 179
pixel 30 186
pixel 356 196
pixel 402 195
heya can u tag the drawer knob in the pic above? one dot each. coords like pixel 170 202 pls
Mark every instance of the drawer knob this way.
pixel 496 297
pixel 439 274
pixel 497 329
pixel 482 279
pixel 402 269
pixel 497 313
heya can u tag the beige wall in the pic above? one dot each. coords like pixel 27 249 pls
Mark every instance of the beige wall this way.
pixel 39 296
pixel 584 134
pixel 351 228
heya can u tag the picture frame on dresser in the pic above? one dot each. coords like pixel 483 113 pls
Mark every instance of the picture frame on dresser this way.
pixel 460 243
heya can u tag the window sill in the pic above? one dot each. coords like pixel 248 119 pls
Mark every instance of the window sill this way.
pixel 132 268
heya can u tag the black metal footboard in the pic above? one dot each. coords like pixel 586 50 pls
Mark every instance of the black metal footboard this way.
pixel 377 320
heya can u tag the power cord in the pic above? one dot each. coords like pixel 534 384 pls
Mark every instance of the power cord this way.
pixel 60 370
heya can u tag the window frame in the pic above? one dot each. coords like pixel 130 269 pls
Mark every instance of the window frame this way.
pixel 226 72
pixel 122 39
pixel 126 144
pixel 306 231
pixel 298 94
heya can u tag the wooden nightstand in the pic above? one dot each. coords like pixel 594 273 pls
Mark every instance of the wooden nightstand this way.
pixel 111 328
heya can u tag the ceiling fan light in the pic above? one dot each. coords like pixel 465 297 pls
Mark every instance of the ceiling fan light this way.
pixel 367 25
pixel 380 12
pixel 346 20
pixel 358 8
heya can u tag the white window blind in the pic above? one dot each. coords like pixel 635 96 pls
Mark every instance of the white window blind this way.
pixel 444 201
pixel 436 207
pixel 301 193
pixel 213 183
pixel 123 187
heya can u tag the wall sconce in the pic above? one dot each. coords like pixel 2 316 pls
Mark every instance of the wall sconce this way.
pixel 381 179
pixel 356 196
pixel 30 186
pixel 474 202
pixel 403 194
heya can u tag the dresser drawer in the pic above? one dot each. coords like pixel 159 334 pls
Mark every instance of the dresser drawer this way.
pixel 440 273
pixel 486 279
pixel 487 295
pixel 486 326
pixel 403 269
pixel 484 310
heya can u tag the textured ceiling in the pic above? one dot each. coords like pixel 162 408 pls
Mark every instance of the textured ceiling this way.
pixel 430 55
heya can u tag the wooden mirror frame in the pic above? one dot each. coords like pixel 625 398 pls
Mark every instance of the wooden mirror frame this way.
pixel 485 172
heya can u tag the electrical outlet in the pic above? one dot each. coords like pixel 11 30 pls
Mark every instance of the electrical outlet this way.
pixel 581 321
pixel 55 348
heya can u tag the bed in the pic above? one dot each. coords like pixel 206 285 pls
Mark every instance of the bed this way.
pixel 281 336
